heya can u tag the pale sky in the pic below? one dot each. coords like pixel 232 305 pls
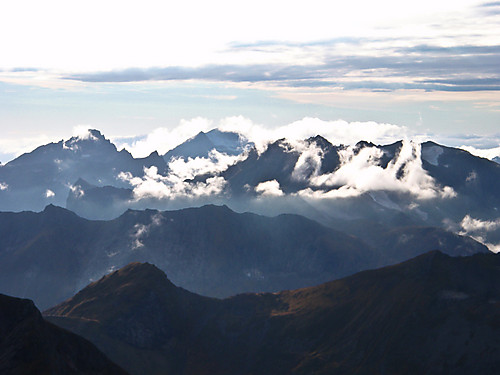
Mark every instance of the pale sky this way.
pixel 132 68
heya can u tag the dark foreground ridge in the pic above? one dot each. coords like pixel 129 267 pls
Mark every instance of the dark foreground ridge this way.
pixel 31 345
pixel 434 314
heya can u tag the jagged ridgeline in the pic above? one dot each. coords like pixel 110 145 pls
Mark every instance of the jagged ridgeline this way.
pixel 404 183
pixel 222 216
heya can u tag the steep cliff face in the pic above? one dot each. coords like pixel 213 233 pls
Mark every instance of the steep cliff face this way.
pixel 31 345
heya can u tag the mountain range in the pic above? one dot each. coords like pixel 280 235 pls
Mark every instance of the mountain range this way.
pixel 211 250
pixel 251 237
pixel 434 314
pixel 400 184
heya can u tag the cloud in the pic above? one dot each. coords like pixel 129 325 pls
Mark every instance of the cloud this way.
pixel 83 132
pixel 337 132
pixel 3 186
pixel 469 142
pixel 177 184
pixel 470 224
pixel 488 153
pixel 347 64
pixel 163 139
pixel 11 148
pixel 360 172
pixel 80 133
pixel 140 231
pixel 309 161
pixel 269 189
pixel 479 230
pixel 49 194
pixel 77 190
pixel 490 9
pixel 341 192
pixel 192 167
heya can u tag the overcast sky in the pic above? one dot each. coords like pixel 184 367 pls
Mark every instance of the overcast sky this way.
pixel 427 68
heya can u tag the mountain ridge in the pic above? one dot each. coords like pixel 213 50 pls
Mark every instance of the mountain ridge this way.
pixel 403 318
pixel 200 248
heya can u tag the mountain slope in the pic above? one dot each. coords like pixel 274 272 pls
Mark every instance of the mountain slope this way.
pixel 48 256
pixel 30 345
pixel 210 250
pixel 433 314
pixel 229 143
pixel 46 174
pixel 422 184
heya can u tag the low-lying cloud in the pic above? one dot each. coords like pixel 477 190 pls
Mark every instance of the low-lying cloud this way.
pixel 155 186
pixel 470 225
pixel 140 231
pixel 360 171
pixel 480 230
pixel 178 182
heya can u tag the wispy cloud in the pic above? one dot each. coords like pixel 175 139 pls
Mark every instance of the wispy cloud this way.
pixel 490 8
pixel 419 67
pixel 141 231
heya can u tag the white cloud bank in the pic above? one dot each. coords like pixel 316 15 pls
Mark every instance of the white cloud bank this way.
pixel 360 172
pixel 156 186
pixel 337 132
pixel 177 182
pixel 488 153
pixel 164 139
